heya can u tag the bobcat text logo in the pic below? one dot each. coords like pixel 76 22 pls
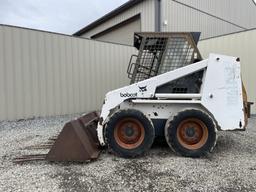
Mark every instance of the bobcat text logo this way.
pixel 143 89
pixel 128 94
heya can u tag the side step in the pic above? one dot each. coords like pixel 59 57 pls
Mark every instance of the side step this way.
pixel 77 142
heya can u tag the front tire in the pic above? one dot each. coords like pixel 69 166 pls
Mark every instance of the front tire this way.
pixel 191 133
pixel 129 133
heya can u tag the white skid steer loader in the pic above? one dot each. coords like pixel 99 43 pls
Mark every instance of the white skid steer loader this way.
pixel 186 105
pixel 173 94
pixel 131 114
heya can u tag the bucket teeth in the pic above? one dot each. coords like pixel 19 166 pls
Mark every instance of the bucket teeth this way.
pixel 25 158
pixel 42 146
pixel 53 138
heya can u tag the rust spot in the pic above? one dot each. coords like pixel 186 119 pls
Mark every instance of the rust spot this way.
pixel 192 133
pixel 129 133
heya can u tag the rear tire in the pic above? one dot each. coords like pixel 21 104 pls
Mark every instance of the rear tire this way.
pixel 191 133
pixel 129 133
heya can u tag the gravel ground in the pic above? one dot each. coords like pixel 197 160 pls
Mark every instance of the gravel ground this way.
pixel 231 166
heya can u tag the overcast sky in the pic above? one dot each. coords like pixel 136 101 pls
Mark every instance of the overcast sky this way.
pixel 63 16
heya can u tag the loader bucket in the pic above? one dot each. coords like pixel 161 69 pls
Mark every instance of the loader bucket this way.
pixel 77 141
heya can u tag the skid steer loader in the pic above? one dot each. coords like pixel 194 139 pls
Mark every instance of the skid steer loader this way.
pixel 174 93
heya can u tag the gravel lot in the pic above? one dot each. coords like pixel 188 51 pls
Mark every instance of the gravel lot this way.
pixel 231 166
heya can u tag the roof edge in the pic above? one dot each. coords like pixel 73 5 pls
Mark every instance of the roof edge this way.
pixel 108 16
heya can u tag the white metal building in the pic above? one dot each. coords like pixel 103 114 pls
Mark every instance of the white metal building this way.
pixel 212 18
pixel 43 74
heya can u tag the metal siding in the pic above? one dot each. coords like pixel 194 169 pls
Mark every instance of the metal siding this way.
pixel 240 12
pixel 117 35
pixel 2 76
pixel 241 45
pixel 233 16
pixel 9 68
pixel 182 18
pixel 145 8
pixel 44 74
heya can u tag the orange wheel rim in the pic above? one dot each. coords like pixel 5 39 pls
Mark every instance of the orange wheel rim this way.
pixel 129 133
pixel 192 133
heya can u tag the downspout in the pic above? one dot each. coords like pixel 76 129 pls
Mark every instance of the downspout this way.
pixel 158 13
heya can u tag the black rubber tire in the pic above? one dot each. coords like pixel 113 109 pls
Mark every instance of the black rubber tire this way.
pixel 171 133
pixel 123 152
